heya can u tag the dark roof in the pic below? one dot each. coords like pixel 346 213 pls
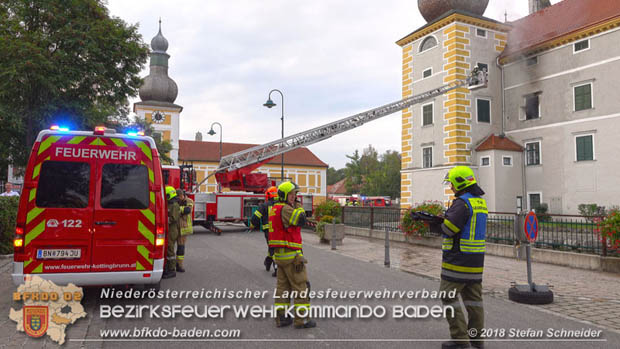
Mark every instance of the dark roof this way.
pixel 448 14
pixel 494 142
pixel 337 188
pixel 210 151
pixel 563 18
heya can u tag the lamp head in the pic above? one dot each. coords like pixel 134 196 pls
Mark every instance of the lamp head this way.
pixel 269 104
pixel 211 132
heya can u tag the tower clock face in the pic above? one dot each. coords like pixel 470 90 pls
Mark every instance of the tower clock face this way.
pixel 158 117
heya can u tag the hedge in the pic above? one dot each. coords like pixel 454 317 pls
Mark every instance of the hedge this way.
pixel 8 215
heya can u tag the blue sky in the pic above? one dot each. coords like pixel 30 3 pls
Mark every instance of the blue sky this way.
pixel 330 58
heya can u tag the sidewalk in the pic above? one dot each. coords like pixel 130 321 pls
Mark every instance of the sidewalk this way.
pixel 578 294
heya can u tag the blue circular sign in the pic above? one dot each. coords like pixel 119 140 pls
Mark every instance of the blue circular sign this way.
pixel 531 226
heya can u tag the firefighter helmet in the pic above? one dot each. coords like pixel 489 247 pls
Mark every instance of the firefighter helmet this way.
pixel 461 177
pixel 285 188
pixel 271 193
pixel 170 192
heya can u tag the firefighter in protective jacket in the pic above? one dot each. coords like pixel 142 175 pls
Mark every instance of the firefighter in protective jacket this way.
pixel 464 230
pixel 174 218
pixel 260 219
pixel 286 218
pixel 186 227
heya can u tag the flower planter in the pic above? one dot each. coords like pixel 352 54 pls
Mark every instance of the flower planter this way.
pixel 335 230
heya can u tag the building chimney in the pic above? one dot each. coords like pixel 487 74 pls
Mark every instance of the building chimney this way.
pixel 198 136
pixel 537 5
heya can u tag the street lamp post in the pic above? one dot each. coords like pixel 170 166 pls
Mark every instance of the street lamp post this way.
pixel 270 104
pixel 211 133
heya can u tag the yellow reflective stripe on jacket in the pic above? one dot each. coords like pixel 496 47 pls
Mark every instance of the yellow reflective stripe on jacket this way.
pixel 282 254
pixel 451 226
pixel 447 244
pixel 293 244
pixel 258 214
pixel 462 269
pixel 295 216
pixel 278 242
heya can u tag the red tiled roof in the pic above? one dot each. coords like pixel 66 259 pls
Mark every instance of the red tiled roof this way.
pixel 210 151
pixel 494 142
pixel 561 19
pixel 337 188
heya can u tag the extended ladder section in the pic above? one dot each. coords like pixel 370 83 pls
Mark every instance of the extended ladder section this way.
pixel 262 153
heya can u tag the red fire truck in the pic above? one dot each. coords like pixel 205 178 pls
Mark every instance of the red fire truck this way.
pixel 92 210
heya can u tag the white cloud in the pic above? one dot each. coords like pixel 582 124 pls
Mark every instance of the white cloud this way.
pixel 330 58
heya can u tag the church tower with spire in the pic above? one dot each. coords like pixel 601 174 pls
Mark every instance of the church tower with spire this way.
pixel 157 96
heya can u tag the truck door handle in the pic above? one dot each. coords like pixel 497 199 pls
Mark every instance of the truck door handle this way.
pixel 105 223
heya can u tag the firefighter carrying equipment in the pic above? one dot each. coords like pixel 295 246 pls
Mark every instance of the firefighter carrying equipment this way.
pixel 285 188
pixel 463 252
pixel 285 236
pixel 460 177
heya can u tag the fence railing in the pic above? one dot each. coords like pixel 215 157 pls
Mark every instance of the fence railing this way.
pixel 557 232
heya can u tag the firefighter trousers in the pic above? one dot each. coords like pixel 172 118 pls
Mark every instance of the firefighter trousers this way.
pixel 471 294
pixel 171 256
pixel 181 250
pixel 289 279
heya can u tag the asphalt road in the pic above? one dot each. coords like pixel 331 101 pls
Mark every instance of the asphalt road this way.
pixel 233 261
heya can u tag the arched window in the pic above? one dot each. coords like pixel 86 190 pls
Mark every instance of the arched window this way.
pixel 428 43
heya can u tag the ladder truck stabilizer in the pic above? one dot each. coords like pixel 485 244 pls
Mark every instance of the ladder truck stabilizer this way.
pixel 235 169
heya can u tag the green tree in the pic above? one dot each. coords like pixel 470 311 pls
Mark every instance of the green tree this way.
pixel 385 179
pixel 163 147
pixel 64 62
pixel 371 174
pixel 353 172
pixel 334 176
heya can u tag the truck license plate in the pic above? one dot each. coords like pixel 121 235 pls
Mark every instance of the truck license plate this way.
pixel 59 254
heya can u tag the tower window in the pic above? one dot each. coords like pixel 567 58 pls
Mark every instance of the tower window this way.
pixel 427 157
pixel 483 110
pixel 428 43
pixel 481 33
pixel 427 114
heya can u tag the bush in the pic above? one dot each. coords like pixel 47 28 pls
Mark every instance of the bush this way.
pixel 541 213
pixel 8 215
pixel 411 227
pixel 609 228
pixel 328 208
pixel 591 211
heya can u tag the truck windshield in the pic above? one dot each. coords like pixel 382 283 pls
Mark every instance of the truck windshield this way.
pixel 63 184
pixel 124 186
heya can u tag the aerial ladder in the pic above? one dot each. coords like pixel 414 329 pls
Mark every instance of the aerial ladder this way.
pixel 235 170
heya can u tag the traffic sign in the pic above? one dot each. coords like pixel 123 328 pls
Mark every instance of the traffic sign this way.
pixel 531 226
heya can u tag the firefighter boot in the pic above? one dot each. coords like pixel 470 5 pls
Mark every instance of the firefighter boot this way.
pixel 180 268
pixel 268 261
pixel 283 321
pixel 180 258
pixel 307 324
pixel 169 273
